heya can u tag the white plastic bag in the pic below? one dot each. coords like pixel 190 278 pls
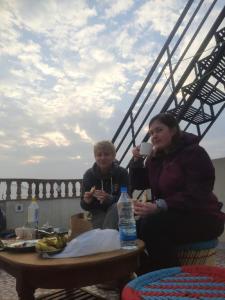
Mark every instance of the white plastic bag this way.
pixel 90 242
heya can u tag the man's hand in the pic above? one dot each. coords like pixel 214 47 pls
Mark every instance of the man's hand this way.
pixel 88 196
pixel 101 196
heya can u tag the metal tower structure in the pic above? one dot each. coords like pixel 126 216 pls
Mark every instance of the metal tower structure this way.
pixel 187 79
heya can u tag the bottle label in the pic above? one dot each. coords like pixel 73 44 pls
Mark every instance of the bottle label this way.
pixel 128 233
pixel 125 210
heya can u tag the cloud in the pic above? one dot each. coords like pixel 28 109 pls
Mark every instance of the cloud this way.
pixel 57 138
pixel 5 146
pixel 45 139
pixel 125 42
pixel 36 159
pixel 69 70
pixel 48 16
pixel 117 7
pixel 160 15
pixel 83 134
pixel 77 157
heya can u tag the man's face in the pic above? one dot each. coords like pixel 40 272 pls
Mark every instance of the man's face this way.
pixel 104 159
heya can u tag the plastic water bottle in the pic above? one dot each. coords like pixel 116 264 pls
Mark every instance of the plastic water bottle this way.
pixel 127 224
pixel 33 213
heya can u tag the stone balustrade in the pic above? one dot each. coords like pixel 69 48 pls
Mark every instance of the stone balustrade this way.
pixel 19 189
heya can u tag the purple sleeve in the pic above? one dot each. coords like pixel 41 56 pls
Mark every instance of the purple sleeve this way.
pixel 199 177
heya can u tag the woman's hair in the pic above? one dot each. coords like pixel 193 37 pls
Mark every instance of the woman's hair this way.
pixel 170 121
pixel 105 146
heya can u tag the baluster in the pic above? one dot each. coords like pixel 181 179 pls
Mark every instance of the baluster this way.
pixel 24 189
pixel 77 191
pixel 72 189
pixel 40 184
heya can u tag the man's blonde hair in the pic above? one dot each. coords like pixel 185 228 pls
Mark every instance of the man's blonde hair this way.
pixel 105 146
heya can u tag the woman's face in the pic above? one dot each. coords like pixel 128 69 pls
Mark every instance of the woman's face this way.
pixel 161 135
pixel 104 159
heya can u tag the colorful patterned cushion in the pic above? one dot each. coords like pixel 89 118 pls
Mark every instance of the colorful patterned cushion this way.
pixel 183 283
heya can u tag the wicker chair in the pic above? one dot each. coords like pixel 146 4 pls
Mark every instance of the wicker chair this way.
pixel 201 253
pixel 186 282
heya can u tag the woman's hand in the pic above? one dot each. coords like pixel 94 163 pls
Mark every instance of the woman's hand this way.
pixel 101 195
pixel 136 153
pixel 143 209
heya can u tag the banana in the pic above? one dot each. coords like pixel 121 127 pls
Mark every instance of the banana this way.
pixel 61 243
pixel 64 239
pixel 51 243
pixel 51 248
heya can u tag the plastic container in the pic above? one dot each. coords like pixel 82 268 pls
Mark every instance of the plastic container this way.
pixel 127 224
pixel 33 213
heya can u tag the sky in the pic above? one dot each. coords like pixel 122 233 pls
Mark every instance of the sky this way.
pixel 69 70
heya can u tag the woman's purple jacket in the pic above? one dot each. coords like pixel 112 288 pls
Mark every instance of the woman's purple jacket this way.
pixel 184 178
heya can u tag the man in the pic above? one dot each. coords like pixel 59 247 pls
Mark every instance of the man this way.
pixel 101 186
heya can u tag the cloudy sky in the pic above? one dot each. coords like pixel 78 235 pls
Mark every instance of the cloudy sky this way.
pixel 68 71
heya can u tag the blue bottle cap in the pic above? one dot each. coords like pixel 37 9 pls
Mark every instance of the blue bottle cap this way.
pixel 123 189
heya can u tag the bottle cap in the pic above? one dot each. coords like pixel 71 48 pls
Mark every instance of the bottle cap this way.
pixel 123 189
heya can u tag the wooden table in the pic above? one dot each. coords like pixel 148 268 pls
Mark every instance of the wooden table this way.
pixel 32 271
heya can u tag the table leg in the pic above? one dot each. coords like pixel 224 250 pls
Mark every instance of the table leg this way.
pixel 123 281
pixel 24 290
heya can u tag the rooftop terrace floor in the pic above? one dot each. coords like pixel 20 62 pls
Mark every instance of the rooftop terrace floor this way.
pixel 8 284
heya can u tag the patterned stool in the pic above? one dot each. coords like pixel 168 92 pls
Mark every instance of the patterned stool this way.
pixel 183 283
pixel 201 253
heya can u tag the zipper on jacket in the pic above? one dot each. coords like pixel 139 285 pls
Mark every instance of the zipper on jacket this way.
pixel 111 185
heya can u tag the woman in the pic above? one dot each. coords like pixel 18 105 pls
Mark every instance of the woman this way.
pixel 181 177
pixel 101 186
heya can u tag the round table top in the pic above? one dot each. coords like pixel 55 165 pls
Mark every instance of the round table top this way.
pixel 29 260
